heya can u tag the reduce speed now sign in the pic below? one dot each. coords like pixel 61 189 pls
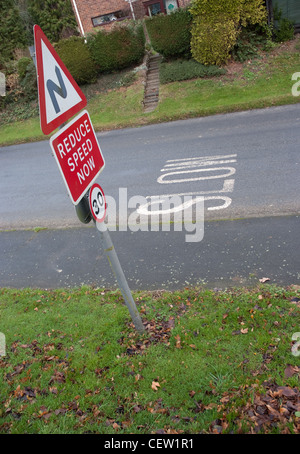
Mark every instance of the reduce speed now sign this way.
pixel 78 155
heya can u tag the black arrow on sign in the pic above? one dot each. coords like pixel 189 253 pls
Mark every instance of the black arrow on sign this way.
pixel 59 89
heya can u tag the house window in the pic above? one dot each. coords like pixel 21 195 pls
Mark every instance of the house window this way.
pixel 106 18
pixel 154 7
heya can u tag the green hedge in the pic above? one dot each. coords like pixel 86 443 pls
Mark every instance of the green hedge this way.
pixel 76 56
pixel 186 69
pixel 118 48
pixel 216 26
pixel 170 34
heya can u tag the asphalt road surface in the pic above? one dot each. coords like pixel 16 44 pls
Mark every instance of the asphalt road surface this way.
pixel 241 168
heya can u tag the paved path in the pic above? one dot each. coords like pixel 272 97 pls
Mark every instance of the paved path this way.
pixel 232 253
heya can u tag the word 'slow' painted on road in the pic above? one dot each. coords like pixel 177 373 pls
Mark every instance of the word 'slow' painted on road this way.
pixel 199 170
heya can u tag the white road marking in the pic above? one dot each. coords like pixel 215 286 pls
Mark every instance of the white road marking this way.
pixel 183 171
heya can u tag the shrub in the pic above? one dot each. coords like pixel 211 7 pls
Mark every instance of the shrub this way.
pixel 117 49
pixel 250 40
pixel 284 27
pixel 12 32
pixel 55 17
pixel 216 26
pixel 22 66
pixel 76 56
pixel 21 82
pixel 29 82
pixel 186 69
pixel 170 34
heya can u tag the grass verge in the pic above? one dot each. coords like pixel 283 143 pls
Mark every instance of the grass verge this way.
pixel 210 362
pixel 262 82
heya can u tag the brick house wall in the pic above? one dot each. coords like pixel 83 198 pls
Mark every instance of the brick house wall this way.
pixel 93 14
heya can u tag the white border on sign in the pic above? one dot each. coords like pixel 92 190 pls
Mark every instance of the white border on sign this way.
pixel 97 186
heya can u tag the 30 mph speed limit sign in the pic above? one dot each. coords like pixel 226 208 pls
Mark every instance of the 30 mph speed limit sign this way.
pixel 97 203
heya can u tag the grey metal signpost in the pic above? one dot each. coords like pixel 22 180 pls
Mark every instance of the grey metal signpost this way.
pixel 119 275
pixel 97 207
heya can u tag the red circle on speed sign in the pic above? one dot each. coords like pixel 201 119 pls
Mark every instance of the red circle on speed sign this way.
pixel 97 203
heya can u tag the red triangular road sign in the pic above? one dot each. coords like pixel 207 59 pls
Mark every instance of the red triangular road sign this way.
pixel 59 95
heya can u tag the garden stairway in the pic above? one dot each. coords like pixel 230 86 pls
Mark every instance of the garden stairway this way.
pixel 151 94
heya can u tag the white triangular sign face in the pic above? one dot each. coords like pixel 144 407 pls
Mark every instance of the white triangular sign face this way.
pixel 59 95
pixel 56 104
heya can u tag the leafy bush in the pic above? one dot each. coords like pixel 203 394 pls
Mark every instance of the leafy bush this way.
pixel 216 26
pixel 250 40
pixel 284 27
pixel 56 18
pixel 22 66
pixel 12 32
pixel 29 82
pixel 117 49
pixel 186 69
pixel 21 83
pixel 76 56
pixel 170 34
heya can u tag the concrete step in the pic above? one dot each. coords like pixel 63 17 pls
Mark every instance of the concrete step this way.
pixel 153 78
pixel 151 98
pixel 153 72
pixel 151 92
pixel 155 57
pixel 152 87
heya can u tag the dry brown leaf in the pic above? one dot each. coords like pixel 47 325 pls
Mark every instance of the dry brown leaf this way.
pixel 290 371
pixel 178 341
pixel 264 279
pixel 155 385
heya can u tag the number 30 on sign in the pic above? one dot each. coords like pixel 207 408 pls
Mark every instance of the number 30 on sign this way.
pixel 97 203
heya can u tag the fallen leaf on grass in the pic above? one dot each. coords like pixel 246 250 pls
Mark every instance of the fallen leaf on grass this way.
pixel 58 377
pixel 275 407
pixel 290 371
pixel 137 408
pixel 264 279
pixel 178 341
pixel 244 330
pixel 155 385
pixel 285 391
